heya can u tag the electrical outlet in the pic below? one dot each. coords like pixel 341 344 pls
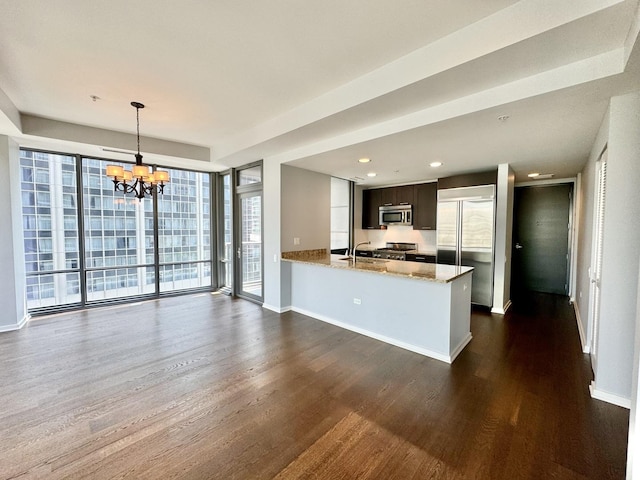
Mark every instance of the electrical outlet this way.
pixel 296 240
pixel 357 301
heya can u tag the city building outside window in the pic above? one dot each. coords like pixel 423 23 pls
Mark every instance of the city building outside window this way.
pixel 114 254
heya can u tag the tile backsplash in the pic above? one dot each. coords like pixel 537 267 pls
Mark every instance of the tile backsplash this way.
pixel 426 239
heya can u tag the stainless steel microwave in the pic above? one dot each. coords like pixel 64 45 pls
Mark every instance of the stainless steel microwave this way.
pixel 395 215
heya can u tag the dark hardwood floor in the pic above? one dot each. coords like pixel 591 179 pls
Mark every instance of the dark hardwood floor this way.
pixel 211 387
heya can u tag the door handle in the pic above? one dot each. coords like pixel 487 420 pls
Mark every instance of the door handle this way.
pixel 519 247
pixel 238 253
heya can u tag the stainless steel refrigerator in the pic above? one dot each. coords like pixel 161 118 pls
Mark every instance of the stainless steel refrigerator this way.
pixel 465 230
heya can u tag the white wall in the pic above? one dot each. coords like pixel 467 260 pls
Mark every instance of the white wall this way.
pixel 12 279
pixel 43 128
pixel 305 209
pixel 633 449
pixel 426 240
pixel 621 250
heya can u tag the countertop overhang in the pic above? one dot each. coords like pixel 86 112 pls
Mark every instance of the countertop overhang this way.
pixel 431 272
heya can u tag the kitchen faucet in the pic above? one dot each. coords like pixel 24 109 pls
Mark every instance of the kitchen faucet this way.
pixel 356 248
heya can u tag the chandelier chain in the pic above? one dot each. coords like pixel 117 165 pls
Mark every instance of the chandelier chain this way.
pixel 138 127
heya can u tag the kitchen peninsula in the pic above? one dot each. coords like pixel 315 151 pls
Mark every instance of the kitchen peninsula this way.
pixel 422 307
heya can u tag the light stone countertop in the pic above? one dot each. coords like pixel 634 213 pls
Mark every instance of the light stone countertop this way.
pixel 430 272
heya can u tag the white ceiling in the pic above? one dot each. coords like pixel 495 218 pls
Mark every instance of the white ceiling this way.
pixel 318 84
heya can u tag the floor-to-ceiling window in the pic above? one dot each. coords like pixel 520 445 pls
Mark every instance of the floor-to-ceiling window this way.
pixel 118 238
pixel 85 243
pixel 184 228
pixel 50 222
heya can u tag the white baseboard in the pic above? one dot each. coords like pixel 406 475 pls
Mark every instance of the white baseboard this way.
pixel 609 397
pixel 456 351
pixel 18 326
pixel 392 341
pixel 503 310
pixel 276 309
pixel 583 338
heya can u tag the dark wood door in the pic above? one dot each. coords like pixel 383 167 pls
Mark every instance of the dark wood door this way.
pixel 370 203
pixel 426 206
pixel 540 260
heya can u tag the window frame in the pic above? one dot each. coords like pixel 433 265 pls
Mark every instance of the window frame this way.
pixel 82 269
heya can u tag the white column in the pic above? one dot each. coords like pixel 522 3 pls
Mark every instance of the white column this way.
pixel 12 275
pixel 271 197
pixel 504 231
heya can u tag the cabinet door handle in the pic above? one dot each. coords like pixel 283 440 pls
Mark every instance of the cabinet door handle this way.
pixel 426 228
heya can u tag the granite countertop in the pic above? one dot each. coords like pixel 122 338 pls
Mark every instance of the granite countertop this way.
pixel 369 248
pixel 430 272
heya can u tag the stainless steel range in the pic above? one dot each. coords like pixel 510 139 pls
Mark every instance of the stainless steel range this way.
pixel 395 251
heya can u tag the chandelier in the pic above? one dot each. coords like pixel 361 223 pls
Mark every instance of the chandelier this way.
pixel 140 180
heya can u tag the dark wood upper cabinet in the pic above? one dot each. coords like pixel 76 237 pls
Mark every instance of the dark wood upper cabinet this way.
pixel 388 196
pixel 425 207
pixel 371 201
pixel 405 195
pixel 469 180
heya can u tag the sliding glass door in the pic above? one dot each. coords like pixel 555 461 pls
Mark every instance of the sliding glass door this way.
pixel 250 249
pixel 225 223
pixel 249 262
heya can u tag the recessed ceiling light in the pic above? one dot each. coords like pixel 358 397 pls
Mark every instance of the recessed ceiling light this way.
pixel 533 175
pixel 364 160
pixel 371 174
pixel 435 164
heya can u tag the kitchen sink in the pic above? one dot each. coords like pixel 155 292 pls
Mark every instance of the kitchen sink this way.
pixel 365 260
